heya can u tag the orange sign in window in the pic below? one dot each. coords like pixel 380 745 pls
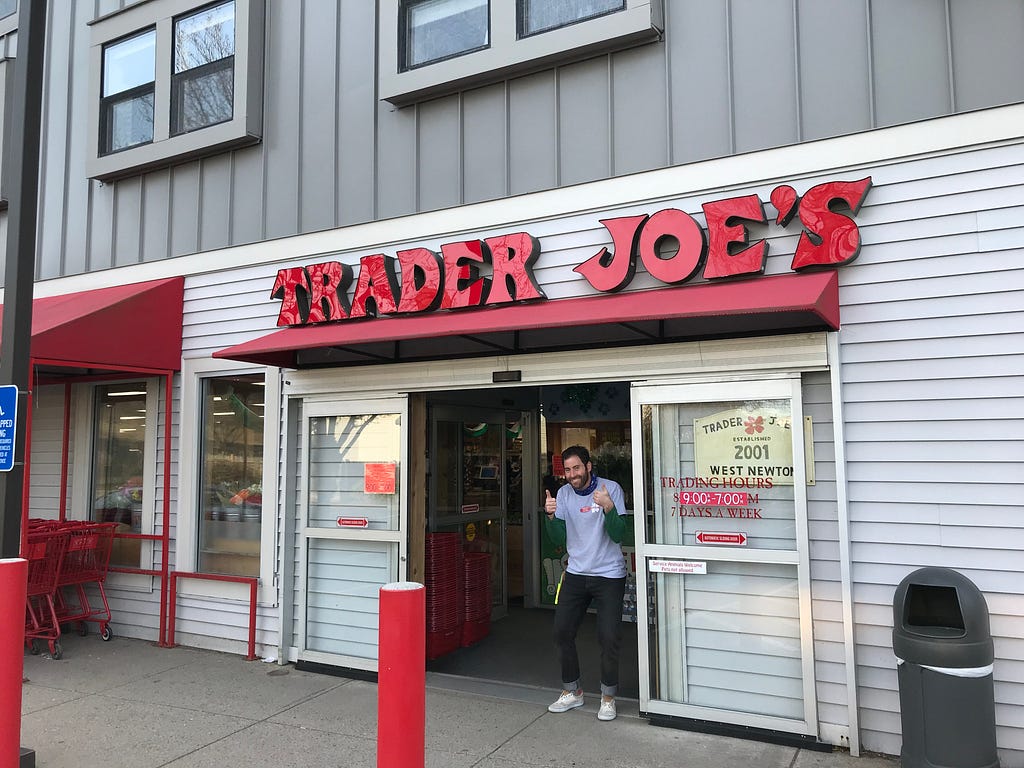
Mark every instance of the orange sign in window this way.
pixel 379 478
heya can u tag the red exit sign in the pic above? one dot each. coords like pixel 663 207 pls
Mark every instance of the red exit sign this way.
pixel 722 538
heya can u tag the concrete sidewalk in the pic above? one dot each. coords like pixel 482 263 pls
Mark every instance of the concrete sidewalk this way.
pixel 129 703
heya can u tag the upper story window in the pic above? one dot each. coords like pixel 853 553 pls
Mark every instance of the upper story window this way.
pixel 434 30
pixel 536 16
pixel 172 80
pixel 202 87
pixel 430 47
pixel 129 72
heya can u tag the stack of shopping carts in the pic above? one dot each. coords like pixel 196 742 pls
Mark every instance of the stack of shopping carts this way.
pixel 64 559
pixel 44 551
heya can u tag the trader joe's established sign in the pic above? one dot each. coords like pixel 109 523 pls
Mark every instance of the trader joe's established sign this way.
pixel 421 280
pixel 749 443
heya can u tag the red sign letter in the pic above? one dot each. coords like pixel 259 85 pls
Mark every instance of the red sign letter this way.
pixel 689 237
pixel 462 285
pixel 421 280
pixel 831 239
pixel 612 272
pixel 286 287
pixel 377 282
pixel 512 256
pixel 721 234
pixel 328 294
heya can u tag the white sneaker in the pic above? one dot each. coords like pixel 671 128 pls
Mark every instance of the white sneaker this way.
pixel 607 710
pixel 568 700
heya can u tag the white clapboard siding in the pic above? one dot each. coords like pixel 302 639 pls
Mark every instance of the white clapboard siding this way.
pixel 47 446
pixel 932 350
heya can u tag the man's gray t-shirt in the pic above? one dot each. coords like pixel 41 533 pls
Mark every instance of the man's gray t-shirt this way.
pixel 591 551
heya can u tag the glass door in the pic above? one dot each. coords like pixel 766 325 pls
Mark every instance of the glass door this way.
pixel 722 554
pixel 469 485
pixel 353 520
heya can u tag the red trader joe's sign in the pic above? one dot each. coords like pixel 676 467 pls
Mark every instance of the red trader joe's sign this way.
pixel 421 280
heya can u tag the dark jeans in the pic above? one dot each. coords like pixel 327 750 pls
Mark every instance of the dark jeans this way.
pixel 574 598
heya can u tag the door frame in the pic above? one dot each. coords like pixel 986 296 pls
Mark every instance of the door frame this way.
pixel 398 553
pixel 778 387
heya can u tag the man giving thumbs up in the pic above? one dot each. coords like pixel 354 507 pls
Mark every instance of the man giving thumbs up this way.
pixel 586 516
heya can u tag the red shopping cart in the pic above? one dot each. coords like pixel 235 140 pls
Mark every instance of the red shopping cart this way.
pixel 44 550
pixel 85 563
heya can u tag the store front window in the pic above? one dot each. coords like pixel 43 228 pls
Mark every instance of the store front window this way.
pixel 231 469
pixel 119 441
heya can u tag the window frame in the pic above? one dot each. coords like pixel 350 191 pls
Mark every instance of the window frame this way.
pixel 403 32
pixel 193 74
pixel 193 371
pixel 521 19
pixel 641 21
pixel 9 23
pixel 244 128
pixel 84 396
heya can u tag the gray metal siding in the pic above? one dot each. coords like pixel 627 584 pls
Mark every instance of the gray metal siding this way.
pixel 977 81
pixel 700 103
pixel 729 76
pixel 484 121
pixel 764 73
pixel 835 96
pixel 584 101
pixel 533 133
pixel 910 60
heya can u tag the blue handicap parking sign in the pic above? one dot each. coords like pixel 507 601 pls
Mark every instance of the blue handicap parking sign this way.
pixel 8 420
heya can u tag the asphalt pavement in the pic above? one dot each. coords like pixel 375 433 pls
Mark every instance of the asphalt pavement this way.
pixel 129 703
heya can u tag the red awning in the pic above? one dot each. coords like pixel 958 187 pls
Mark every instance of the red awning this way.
pixel 126 327
pixel 778 304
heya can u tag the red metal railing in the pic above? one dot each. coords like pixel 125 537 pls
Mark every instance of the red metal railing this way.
pixel 252 581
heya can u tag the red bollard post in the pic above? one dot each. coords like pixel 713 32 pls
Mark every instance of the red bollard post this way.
pixel 13 584
pixel 402 676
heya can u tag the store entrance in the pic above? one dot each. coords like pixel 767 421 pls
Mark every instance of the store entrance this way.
pixel 476 491
pixel 491 454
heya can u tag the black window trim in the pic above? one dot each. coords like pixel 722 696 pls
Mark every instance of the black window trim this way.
pixel 522 34
pixel 403 39
pixel 224 63
pixel 131 94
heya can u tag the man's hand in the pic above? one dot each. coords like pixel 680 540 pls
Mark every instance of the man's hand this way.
pixel 604 499
pixel 550 504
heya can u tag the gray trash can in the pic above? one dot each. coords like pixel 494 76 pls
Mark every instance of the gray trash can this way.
pixel 944 654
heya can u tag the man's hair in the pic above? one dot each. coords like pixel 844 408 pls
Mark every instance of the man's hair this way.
pixel 578 451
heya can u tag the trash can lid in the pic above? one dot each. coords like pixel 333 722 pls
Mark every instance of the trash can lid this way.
pixel 941 618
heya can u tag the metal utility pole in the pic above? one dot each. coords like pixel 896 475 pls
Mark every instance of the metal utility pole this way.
pixel 22 169
pixel 22 172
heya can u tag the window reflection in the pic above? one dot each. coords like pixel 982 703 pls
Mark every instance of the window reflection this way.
pixel 542 15
pixel 202 87
pixel 118 460
pixel 231 456
pixel 129 70
pixel 440 29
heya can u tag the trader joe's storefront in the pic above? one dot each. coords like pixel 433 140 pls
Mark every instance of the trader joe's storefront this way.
pixel 721 450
